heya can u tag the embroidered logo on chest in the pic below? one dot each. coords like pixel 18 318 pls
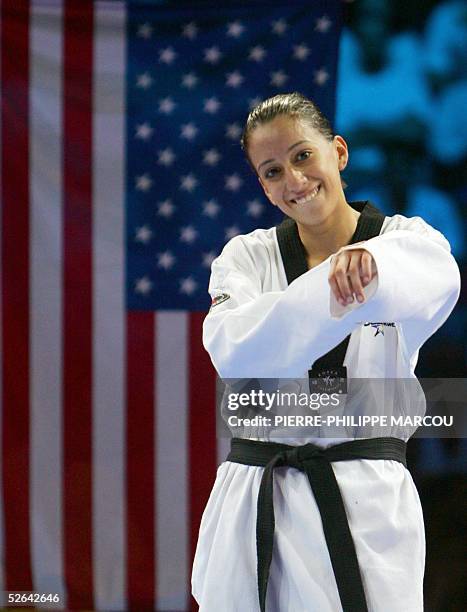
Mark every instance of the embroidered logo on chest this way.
pixel 379 327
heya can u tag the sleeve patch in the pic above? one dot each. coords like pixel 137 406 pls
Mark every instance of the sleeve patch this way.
pixel 218 299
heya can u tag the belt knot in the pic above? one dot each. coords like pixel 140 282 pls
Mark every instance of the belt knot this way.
pixel 298 455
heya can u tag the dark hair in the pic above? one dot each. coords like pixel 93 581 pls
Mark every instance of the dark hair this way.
pixel 291 104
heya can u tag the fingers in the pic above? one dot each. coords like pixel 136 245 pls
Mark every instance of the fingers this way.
pixel 338 278
pixel 366 268
pixel 354 273
pixel 350 272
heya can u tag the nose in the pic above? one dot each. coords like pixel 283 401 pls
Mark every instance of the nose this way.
pixel 295 179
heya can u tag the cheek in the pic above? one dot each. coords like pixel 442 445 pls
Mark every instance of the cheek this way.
pixel 274 193
pixel 266 188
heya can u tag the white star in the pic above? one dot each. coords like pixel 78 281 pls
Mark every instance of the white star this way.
pixel 257 53
pixel 188 182
pixel 208 258
pixel 144 182
pixel 143 285
pixel 167 56
pixel 235 29
pixel 233 131
pixel 166 105
pixel 189 131
pixel 166 157
pixel 166 209
pixel 144 81
pixel 321 76
pixel 190 30
pixel 188 234
pixel 143 234
pixel 165 260
pixel 210 208
pixel 188 285
pixel 189 80
pixel 211 157
pixel 279 27
pixel 255 208
pixel 233 182
pixel 145 30
pixel 212 55
pixel 211 105
pixel 301 52
pixel 252 102
pixel 278 78
pixel 234 79
pixel 230 232
pixel 144 131
pixel 323 24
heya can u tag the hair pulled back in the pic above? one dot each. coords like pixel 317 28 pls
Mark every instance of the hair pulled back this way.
pixel 293 105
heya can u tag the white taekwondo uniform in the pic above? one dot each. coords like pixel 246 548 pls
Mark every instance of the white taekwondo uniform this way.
pixel 263 327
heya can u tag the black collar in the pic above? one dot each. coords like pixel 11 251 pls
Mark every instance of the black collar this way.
pixel 293 252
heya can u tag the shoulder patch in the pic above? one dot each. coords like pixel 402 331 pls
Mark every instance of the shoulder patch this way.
pixel 218 299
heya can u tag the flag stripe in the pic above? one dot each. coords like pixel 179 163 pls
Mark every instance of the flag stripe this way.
pixel 46 299
pixel 202 443
pixel 140 460
pixel 77 354
pixel 171 462
pixel 15 292
pixel 109 533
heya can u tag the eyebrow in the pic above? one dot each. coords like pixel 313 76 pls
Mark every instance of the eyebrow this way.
pixel 267 161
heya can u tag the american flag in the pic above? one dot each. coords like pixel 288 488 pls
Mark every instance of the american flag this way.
pixel 121 179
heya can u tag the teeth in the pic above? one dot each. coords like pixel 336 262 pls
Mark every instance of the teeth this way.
pixel 309 197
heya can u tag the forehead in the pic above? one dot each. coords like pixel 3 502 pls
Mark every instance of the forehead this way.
pixel 275 137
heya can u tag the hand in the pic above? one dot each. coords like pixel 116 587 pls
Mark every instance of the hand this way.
pixel 351 270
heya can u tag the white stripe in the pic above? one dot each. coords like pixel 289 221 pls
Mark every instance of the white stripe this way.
pixel 45 114
pixel 109 519
pixel 171 458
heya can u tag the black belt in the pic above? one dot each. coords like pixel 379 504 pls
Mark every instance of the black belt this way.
pixel 316 463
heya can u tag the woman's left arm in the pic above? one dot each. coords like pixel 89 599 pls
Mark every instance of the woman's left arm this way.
pixel 416 279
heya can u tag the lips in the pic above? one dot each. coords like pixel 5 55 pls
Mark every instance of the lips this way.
pixel 308 197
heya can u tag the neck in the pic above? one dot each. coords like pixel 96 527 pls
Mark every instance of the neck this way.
pixel 322 240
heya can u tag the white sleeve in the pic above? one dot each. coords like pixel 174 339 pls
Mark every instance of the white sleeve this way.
pixel 250 333
pixel 418 282
pixel 273 334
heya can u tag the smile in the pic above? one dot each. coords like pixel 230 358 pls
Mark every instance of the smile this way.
pixel 308 197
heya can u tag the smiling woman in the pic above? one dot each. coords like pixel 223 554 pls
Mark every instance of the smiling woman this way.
pixel 298 161
pixel 341 527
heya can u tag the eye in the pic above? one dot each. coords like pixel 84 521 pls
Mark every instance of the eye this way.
pixel 303 155
pixel 271 173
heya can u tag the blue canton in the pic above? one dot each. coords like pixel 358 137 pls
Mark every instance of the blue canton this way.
pixel 193 76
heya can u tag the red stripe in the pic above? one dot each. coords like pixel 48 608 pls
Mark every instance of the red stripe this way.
pixel 15 290
pixel 77 315
pixel 202 429
pixel 140 461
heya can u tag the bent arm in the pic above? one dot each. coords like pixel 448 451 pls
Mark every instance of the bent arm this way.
pixel 418 283
pixel 281 333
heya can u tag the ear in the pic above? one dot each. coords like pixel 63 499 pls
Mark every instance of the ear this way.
pixel 265 189
pixel 342 152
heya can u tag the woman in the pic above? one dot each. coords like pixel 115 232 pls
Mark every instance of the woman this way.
pixel 342 289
